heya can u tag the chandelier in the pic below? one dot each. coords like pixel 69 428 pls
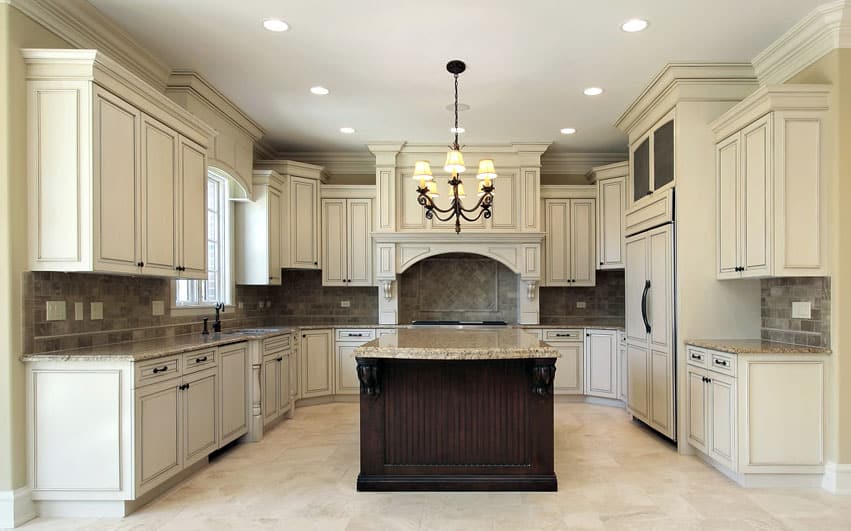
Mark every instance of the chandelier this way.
pixel 427 190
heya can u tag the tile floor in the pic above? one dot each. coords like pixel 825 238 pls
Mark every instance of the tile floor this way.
pixel 613 474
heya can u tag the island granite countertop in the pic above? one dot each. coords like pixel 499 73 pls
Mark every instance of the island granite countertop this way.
pixel 454 344
pixel 754 346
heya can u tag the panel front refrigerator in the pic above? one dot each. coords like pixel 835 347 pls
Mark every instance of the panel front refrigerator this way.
pixel 650 330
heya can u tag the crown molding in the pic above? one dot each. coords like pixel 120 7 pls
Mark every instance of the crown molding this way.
pixel 83 26
pixel 577 163
pixel 686 82
pixel 335 162
pixel 185 80
pixel 824 29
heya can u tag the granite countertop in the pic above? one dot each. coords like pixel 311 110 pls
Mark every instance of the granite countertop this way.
pixel 578 324
pixel 155 348
pixel 755 346
pixel 454 344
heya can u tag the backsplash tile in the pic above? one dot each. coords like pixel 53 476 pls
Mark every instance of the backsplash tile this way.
pixel 778 294
pixel 604 303
pixel 302 300
pixel 458 286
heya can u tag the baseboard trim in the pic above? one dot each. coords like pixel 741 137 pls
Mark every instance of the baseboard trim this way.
pixel 837 478
pixel 16 507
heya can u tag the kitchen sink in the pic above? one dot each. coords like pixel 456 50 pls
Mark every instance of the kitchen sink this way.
pixel 251 331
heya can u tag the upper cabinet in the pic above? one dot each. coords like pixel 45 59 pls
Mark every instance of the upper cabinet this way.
pixel 771 165
pixel 611 181
pixel 651 159
pixel 116 171
pixel 571 235
pixel 257 225
pixel 347 227
pixel 300 228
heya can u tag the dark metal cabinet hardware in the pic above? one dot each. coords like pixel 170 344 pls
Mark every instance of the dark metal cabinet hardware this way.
pixel 160 369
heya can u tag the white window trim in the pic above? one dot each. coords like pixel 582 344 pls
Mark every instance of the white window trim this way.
pixel 205 309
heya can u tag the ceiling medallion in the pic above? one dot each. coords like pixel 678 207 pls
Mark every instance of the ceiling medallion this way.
pixel 454 164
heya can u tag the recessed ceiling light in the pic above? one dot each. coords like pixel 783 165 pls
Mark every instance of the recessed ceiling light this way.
pixel 347 130
pixel 275 24
pixel 458 130
pixel 319 91
pixel 568 131
pixel 634 25
pixel 593 91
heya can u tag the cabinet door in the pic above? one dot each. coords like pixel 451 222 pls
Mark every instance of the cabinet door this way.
pixel 697 405
pixel 304 223
pixel 641 170
pixel 583 235
pixel 506 201
pixel 601 364
pixel 722 420
pixel 270 378
pixel 359 248
pixel 284 393
pixel 638 386
pixel 635 277
pixel 660 296
pixel 756 199
pixel 274 232
pixel 729 211
pixel 623 374
pixel 192 164
pixel 663 155
pixel 317 371
pixel 159 438
pixel 611 206
pixel 117 184
pixel 159 198
pixel 557 213
pixel 200 415
pixel 347 376
pixel 233 394
pixel 334 242
pixel 569 374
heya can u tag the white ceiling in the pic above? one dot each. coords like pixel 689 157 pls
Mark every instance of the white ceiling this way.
pixel 384 61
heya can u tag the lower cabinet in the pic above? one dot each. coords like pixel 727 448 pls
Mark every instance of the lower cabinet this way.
pixel 623 375
pixel 317 370
pixel 159 434
pixel 200 415
pixel 233 392
pixel 756 414
pixel 569 375
pixel 346 375
pixel 276 378
pixel 601 363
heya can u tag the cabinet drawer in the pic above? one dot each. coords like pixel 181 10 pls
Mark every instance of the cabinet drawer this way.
pixel 355 334
pixel 698 357
pixel 157 370
pixel 198 360
pixel 274 344
pixel 563 335
pixel 722 362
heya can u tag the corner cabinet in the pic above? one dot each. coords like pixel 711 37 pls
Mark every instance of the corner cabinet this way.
pixel 347 242
pixel 652 161
pixel 116 171
pixel 771 177
pixel 570 245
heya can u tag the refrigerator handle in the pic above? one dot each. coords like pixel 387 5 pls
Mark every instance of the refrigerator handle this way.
pixel 644 305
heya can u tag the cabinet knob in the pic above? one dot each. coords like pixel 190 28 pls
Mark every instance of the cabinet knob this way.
pixel 279 359
pixel 315 263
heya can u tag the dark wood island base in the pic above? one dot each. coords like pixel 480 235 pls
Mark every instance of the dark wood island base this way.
pixel 456 425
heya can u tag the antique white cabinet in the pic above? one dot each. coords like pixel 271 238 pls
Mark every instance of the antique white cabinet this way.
pixel 601 363
pixel 569 378
pixel 258 229
pixel 347 340
pixel 652 161
pixel 623 375
pixel 771 168
pixel 116 171
pixel 347 241
pixel 234 376
pixel 611 182
pixel 570 242
pixel 317 363
pixel 276 378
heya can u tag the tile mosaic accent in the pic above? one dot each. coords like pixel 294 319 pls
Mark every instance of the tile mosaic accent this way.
pixel 604 303
pixel 778 294
pixel 458 286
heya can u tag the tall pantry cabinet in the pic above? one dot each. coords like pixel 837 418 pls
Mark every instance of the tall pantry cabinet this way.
pixel 116 171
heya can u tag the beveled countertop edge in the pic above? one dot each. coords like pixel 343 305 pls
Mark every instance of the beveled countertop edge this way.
pixel 746 347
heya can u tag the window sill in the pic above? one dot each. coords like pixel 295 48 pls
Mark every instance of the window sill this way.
pixel 183 311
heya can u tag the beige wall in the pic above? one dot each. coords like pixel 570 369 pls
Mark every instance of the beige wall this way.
pixel 548 179
pixel 835 68
pixel 16 31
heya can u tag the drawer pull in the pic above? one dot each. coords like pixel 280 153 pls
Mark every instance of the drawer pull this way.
pixel 355 335
pixel 722 363
pixel 160 369
pixel 697 357
pixel 201 360
pixel 279 359
pixel 564 335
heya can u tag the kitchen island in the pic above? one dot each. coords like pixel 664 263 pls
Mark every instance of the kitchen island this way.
pixel 456 409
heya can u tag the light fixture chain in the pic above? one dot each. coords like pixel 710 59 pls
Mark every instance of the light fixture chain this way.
pixel 456 112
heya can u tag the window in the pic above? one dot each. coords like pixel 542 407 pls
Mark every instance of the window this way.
pixel 217 286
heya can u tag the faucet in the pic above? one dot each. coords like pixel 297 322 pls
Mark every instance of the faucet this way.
pixel 217 324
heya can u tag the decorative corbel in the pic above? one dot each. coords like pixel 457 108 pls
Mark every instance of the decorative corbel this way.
pixel 368 376
pixel 387 288
pixel 530 289
pixel 543 376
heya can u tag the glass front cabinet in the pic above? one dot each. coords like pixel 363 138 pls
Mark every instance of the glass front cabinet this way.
pixel 651 159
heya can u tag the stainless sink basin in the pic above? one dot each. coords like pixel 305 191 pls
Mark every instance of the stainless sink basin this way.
pixel 251 331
